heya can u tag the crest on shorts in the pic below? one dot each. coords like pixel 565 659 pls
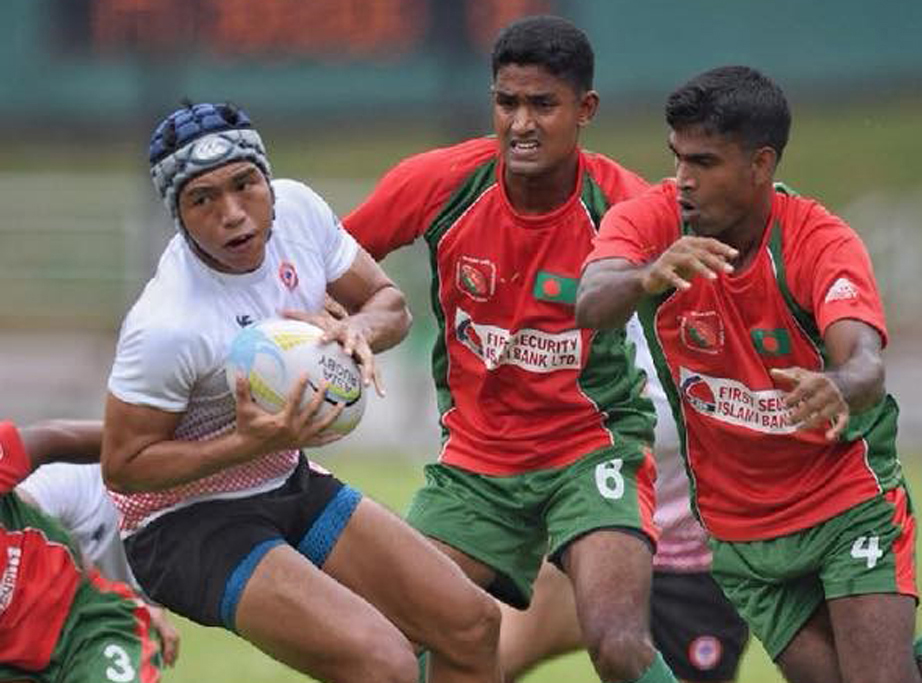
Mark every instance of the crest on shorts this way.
pixel 704 652
pixel 476 277
pixel 288 275
pixel 703 331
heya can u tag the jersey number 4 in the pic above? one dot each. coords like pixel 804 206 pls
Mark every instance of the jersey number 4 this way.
pixel 867 548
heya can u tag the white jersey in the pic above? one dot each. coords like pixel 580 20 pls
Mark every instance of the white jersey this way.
pixel 173 343
pixel 683 543
pixel 76 496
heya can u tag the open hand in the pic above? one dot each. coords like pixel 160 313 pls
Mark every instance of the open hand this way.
pixel 814 400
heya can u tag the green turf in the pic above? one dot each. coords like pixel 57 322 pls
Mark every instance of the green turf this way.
pixel 215 655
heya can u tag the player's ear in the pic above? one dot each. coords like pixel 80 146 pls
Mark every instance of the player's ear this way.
pixel 764 161
pixel 588 106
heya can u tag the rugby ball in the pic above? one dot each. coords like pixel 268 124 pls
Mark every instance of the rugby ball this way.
pixel 273 354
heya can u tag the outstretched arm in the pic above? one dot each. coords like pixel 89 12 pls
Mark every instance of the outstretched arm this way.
pixel 22 450
pixel 854 381
pixel 610 289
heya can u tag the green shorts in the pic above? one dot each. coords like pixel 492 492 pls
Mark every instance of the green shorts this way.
pixel 107 638
pixel 777 584
pixel 511 522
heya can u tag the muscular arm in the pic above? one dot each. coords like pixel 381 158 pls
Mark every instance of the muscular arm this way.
pixel 375 304
pixel 854 381
pixel 857 366
pixel 609 291
pixel 140 453
pixel 62 440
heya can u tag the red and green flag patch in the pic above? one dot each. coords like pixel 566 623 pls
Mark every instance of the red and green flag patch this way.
pixel 555 288
pixel 775 342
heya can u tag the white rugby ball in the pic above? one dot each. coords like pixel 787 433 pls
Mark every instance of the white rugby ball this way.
pixel 273 354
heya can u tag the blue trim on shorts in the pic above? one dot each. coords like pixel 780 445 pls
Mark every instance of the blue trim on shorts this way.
pixel 238 579
pixel 323 534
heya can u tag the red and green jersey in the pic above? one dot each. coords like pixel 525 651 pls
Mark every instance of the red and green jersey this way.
pixel 755 475
pixel 39 574
pixel 519 387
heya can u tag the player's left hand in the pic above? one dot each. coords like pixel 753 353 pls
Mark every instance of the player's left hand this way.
pixel 814 400
pixel 352 336
pixel 169 636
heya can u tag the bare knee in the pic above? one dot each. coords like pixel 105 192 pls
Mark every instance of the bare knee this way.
pixel 473 632
pixel 619 654
pixel 385 660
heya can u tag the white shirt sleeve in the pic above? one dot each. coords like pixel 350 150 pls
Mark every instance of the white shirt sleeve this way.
pixel 337 247
pixel 154 364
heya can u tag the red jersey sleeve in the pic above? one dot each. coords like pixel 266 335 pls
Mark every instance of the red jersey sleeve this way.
pixel 639 229
pixel 14 461
pixel 409 196
pixel 831 271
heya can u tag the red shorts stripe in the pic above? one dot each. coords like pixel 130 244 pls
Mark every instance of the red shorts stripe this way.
pixel 646 494
pixel 904 546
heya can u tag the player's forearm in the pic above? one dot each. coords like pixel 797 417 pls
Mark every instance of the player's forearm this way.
pixel 63 440
pixel 860 379
pixel 606 297
pixel 166 464
pixel 385 318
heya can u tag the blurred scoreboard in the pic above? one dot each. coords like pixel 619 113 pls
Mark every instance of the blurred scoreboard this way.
pixel 324 30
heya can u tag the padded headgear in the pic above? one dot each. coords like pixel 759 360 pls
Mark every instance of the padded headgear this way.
pixel 199 138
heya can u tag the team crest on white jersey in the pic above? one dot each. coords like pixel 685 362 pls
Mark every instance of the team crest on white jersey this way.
pixel 533 350
pixel 476 277
pixel 841 289
pixel 288 275
pixel 703 331
pixel 732 402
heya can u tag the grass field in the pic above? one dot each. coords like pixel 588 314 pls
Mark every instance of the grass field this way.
pixel 210 654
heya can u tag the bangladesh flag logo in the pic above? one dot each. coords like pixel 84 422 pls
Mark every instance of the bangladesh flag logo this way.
pixel 556 288
pixel 776 342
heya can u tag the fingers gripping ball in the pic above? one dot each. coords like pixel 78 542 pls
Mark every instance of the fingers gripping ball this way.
pixel 274 354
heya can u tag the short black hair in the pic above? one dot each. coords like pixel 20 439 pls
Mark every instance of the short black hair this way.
pixel 737 101
pixel 549 42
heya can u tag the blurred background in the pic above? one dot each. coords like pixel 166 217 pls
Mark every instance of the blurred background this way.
pixel 341 90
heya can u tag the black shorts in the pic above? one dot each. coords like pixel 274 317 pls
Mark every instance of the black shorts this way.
pixel 695 627
pixel 197 560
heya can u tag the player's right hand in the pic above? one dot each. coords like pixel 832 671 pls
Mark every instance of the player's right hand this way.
pixel 292 427
pixel 686 259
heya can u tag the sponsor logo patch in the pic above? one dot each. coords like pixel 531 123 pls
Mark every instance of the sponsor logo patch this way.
pixel 841 289
pixel 703 331
pixel 288 275
pixel 533 350
pixel 732 402
pixel 476 277
pixel 704 652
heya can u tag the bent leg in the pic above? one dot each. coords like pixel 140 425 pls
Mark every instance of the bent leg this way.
pixel 810 657
pixel 611 573
pixel 294 612
pixel 549 626
pixel 422 591
pixel 874 637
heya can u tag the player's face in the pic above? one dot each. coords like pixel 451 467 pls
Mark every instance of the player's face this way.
pixel 228 214
pixel 717 180
pixel 537 118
